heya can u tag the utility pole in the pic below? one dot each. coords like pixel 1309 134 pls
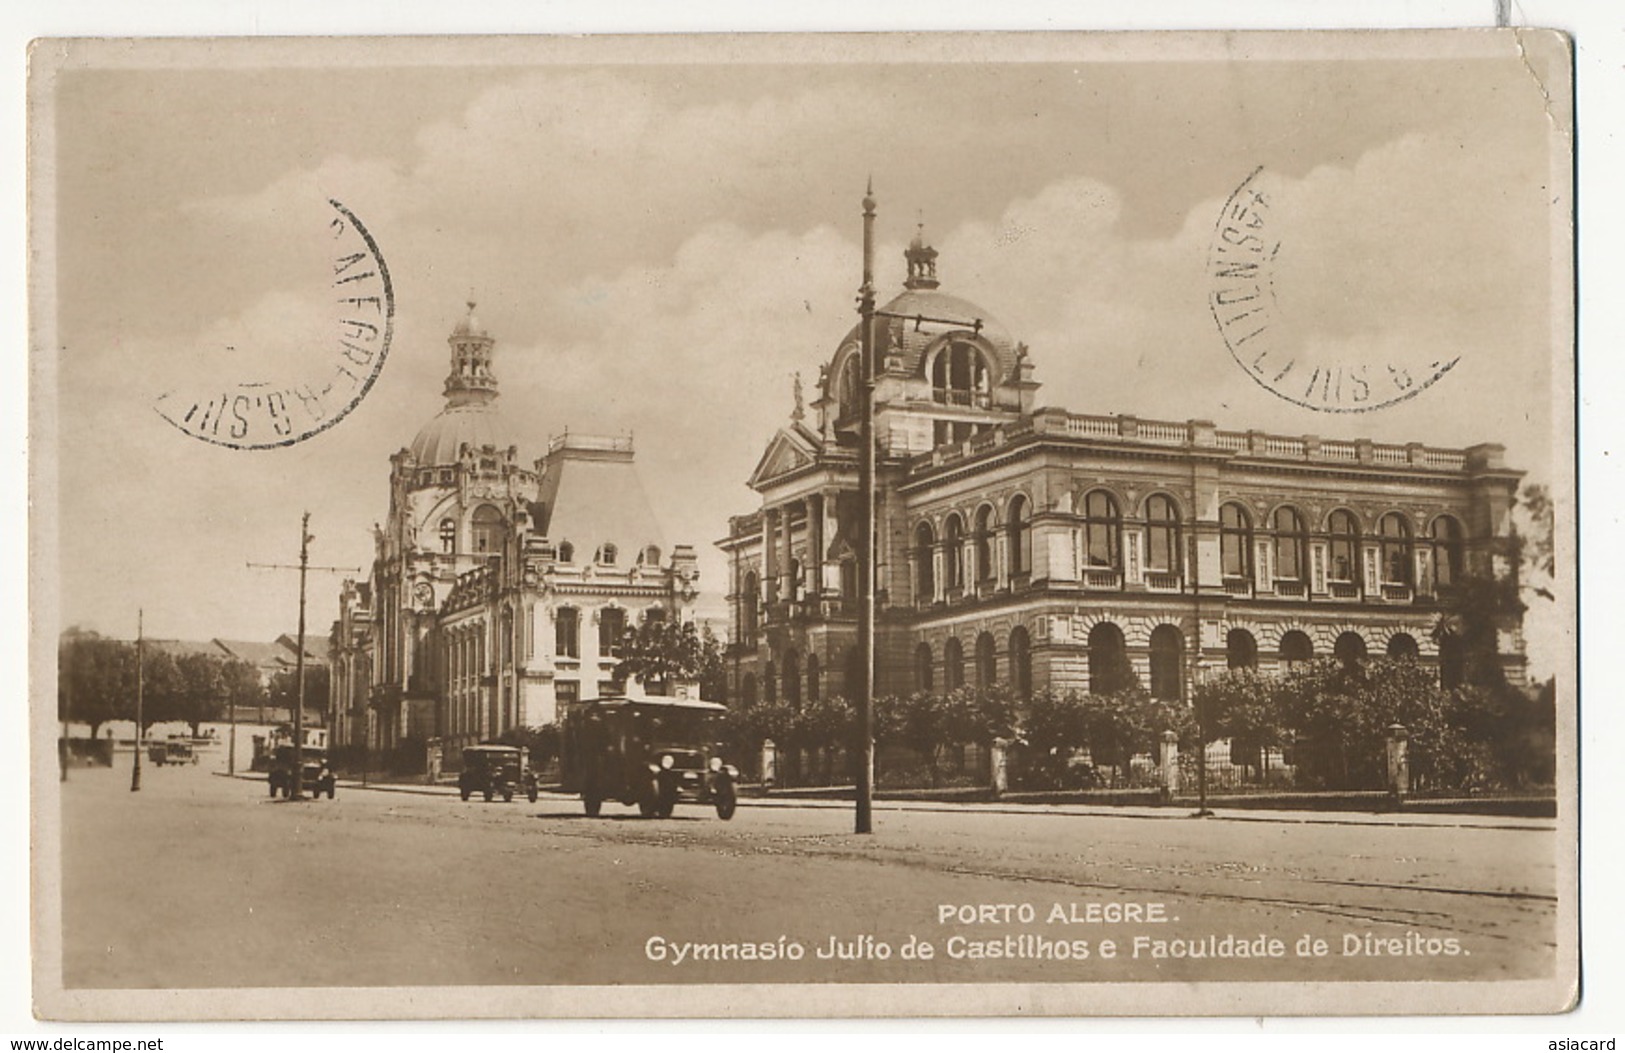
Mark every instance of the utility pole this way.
pixel 868 466
pixel 135 772
pixel 866 545
pixel 305 538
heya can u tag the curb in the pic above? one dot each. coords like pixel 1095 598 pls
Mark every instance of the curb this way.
pixel 1414 820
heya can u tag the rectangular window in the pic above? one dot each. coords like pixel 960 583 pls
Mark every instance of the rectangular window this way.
pixel 611 688
pixel 567 691
pixel 567 633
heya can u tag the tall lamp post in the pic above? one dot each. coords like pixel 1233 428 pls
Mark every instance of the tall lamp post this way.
pixel 867 467
pixel 135 772
pixel 866 546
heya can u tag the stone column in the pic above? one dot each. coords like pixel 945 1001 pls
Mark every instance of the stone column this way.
pixel 1399 766
pixel 770 555
pixel 770 764
pixel 787 584
pixel 999 766
pixel 1170 764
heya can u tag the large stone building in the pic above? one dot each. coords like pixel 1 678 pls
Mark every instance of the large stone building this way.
pixel 1043 548
pixel 500 586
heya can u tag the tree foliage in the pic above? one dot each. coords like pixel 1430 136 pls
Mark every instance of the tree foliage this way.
pixel 95 679
pixel 661 652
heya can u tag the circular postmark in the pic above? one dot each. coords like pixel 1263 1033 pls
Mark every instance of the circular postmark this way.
pixel 1243 264
pixel 330 344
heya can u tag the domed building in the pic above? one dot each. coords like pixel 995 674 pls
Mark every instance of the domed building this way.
pixel 1041 548
pixel 500 586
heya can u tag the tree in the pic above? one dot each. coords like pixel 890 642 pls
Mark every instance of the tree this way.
pixel 284 688
pixel 95 679
pixel 160 688
pixel 240 684
pixel 199 689
pixel 660 653
pixel 1241 705
pixel 1054 727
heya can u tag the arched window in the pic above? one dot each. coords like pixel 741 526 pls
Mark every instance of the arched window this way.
pixel 1167 663
pixel 960 377
pixel 925 579
pixel 567 552
pixel 1296 650
pixel 650 556
pixel 1020 538
pixel 489 532
pixel 748 601
pixel 1395 532
pixel 812 678
pixel 987 670
pixel 1235 541
pixel 567 633
pixel 792 678
pixel 1447 550
pixel 953 664
pixel 747 690
pixel 1345 551
pixel 611 627
pixel 607 554
pixel 1021 662
pixel 448 535
pixel 1291 544
pixel 922 667
pixel 1349 649
pixel 1161 534
pixel 983 570
pixel 1102 527
pixel 770 682
pixel 1402 647
pixel 1452 661
pixel 953 552
pixel 1241 650
pixel 1109 669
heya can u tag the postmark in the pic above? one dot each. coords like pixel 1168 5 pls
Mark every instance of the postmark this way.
pixel 1245 259
pixel 274 396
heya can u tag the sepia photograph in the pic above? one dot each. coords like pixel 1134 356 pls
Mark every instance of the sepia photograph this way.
pixel 837 525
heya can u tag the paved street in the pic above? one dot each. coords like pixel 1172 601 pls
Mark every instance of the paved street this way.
pixel 203 881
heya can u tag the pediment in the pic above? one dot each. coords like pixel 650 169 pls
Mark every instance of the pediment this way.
pixel 787 452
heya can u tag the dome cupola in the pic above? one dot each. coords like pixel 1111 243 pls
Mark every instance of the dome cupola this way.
pixel 470 418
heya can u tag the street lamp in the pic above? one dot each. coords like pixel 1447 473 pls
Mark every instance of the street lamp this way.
pixel 867 466
pixel 135 772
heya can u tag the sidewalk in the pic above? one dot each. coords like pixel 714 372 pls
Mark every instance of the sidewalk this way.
pixel 1179 810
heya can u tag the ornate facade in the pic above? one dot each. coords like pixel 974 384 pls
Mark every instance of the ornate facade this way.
pixel 499 586
pixel 1044 548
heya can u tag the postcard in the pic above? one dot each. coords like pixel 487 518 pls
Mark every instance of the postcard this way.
pixel 803 525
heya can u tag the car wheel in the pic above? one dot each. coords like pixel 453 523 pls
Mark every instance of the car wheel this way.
pixel 464 790
pixel 332 788
pixel 273 786
pixel 489 796
pixel 507 796
pixel 667 803
pixel 532 793
pixel 726 804
pixel 649 801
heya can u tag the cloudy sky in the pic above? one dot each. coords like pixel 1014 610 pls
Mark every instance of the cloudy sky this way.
pixel 659 247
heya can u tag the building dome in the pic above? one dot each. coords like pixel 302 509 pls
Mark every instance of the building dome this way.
pixel 439 441
pixel 470 417
pixel 897 336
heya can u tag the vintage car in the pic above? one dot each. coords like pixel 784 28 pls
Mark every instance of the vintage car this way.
pixel 496 770
pixel 647 751
pixel 316 779
pixel 171 751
